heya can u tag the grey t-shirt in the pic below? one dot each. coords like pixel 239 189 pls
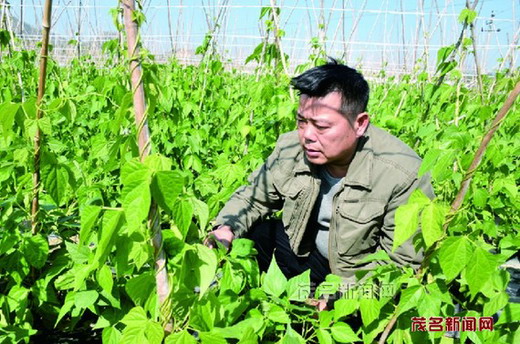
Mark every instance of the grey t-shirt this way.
pixel 329 187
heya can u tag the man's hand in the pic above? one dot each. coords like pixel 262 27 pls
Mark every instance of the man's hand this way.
pixel 320 304
pixel 223 234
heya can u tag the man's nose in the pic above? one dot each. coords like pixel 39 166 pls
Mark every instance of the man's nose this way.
pixel 309 134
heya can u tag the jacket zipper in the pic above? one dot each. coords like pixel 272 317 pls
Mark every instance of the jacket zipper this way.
pixel 332 234
pixel 308 210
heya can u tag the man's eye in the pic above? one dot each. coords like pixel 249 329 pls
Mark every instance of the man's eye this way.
pixel 321 127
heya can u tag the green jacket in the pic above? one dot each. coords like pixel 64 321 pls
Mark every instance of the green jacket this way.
pixel 381 177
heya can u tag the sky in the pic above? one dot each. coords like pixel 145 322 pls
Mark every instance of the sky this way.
pixel 374 34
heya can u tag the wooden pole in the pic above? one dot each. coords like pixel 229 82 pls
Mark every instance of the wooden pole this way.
pixel 170 28
pixel 481 150
pixel 277 37
pixel 78 47
pixel 46 24
pixel 144 143
pixel 475 55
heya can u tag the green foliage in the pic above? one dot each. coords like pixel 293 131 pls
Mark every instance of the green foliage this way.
pixel 92 263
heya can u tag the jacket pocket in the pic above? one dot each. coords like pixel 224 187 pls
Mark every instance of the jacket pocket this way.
pixel 358 226
pixel 291 190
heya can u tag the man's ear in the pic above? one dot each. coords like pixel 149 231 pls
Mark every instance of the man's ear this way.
pixel 361 123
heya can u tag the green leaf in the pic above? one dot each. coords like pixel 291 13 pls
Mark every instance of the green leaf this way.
pixel 429 305
pixel 166 187
pixel 7 115
pixel 85 298
pixel 343 333
pixel 112 222
pixel 78 254
pixel 443 168
pixel 17 297
pixel 104 278
pixel 432 219
pixel 344 307
pixel 418 197
pixel 249 337
pixel 154 332
pixel 274 281
pixel 410 298
pixel 242 248
pixel 157 162
pixel 324 336
pixel 467 16
pixel 35 250
pixel 495 304
pixel 140 288
pixel 88 216
pixel 480 267
pixel 370 310
pixel 182 215
pixel 299 287
pixel 237 330
pixel 231 279
pixel 136 317
pixel 278 314
pixel 429 161
pixel 136 196
pixel 330 286
pixel 67 306
pixel 111 335
pixel 454 254
pixel 55 180
pixel 325 318
pixel 292 337
pixel 211 338
pixel 7 242
pixel 45 125
pixel 134 334
pixel 378 255
pixel 511 314
pixel 183 337
pixel 406 223
pixel 207 268
pixel 201 212
pixel 480 197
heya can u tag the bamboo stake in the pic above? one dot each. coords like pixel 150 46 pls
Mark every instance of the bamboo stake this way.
pixel 20 32
pixel 46 24
pixel 403 24
pixel 451 57
pixel 277 37
pixel 78 47
pixel 354 28
pixel 477 66
pixel 170 28
pixel 144 143
pixel 11 47
pixel 278 42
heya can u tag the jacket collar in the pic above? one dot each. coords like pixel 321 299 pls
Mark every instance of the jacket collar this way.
pixel 360 170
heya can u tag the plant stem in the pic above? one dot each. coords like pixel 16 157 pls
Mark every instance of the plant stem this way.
pixel 46 24
pixel 388 327
pixel 161 273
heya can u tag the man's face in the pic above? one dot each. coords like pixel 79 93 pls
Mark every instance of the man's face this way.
pixel 326 135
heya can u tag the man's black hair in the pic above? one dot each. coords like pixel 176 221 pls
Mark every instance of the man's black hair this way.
pixel 333 76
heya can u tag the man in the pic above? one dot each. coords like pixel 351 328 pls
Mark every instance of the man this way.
pixel 338 180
